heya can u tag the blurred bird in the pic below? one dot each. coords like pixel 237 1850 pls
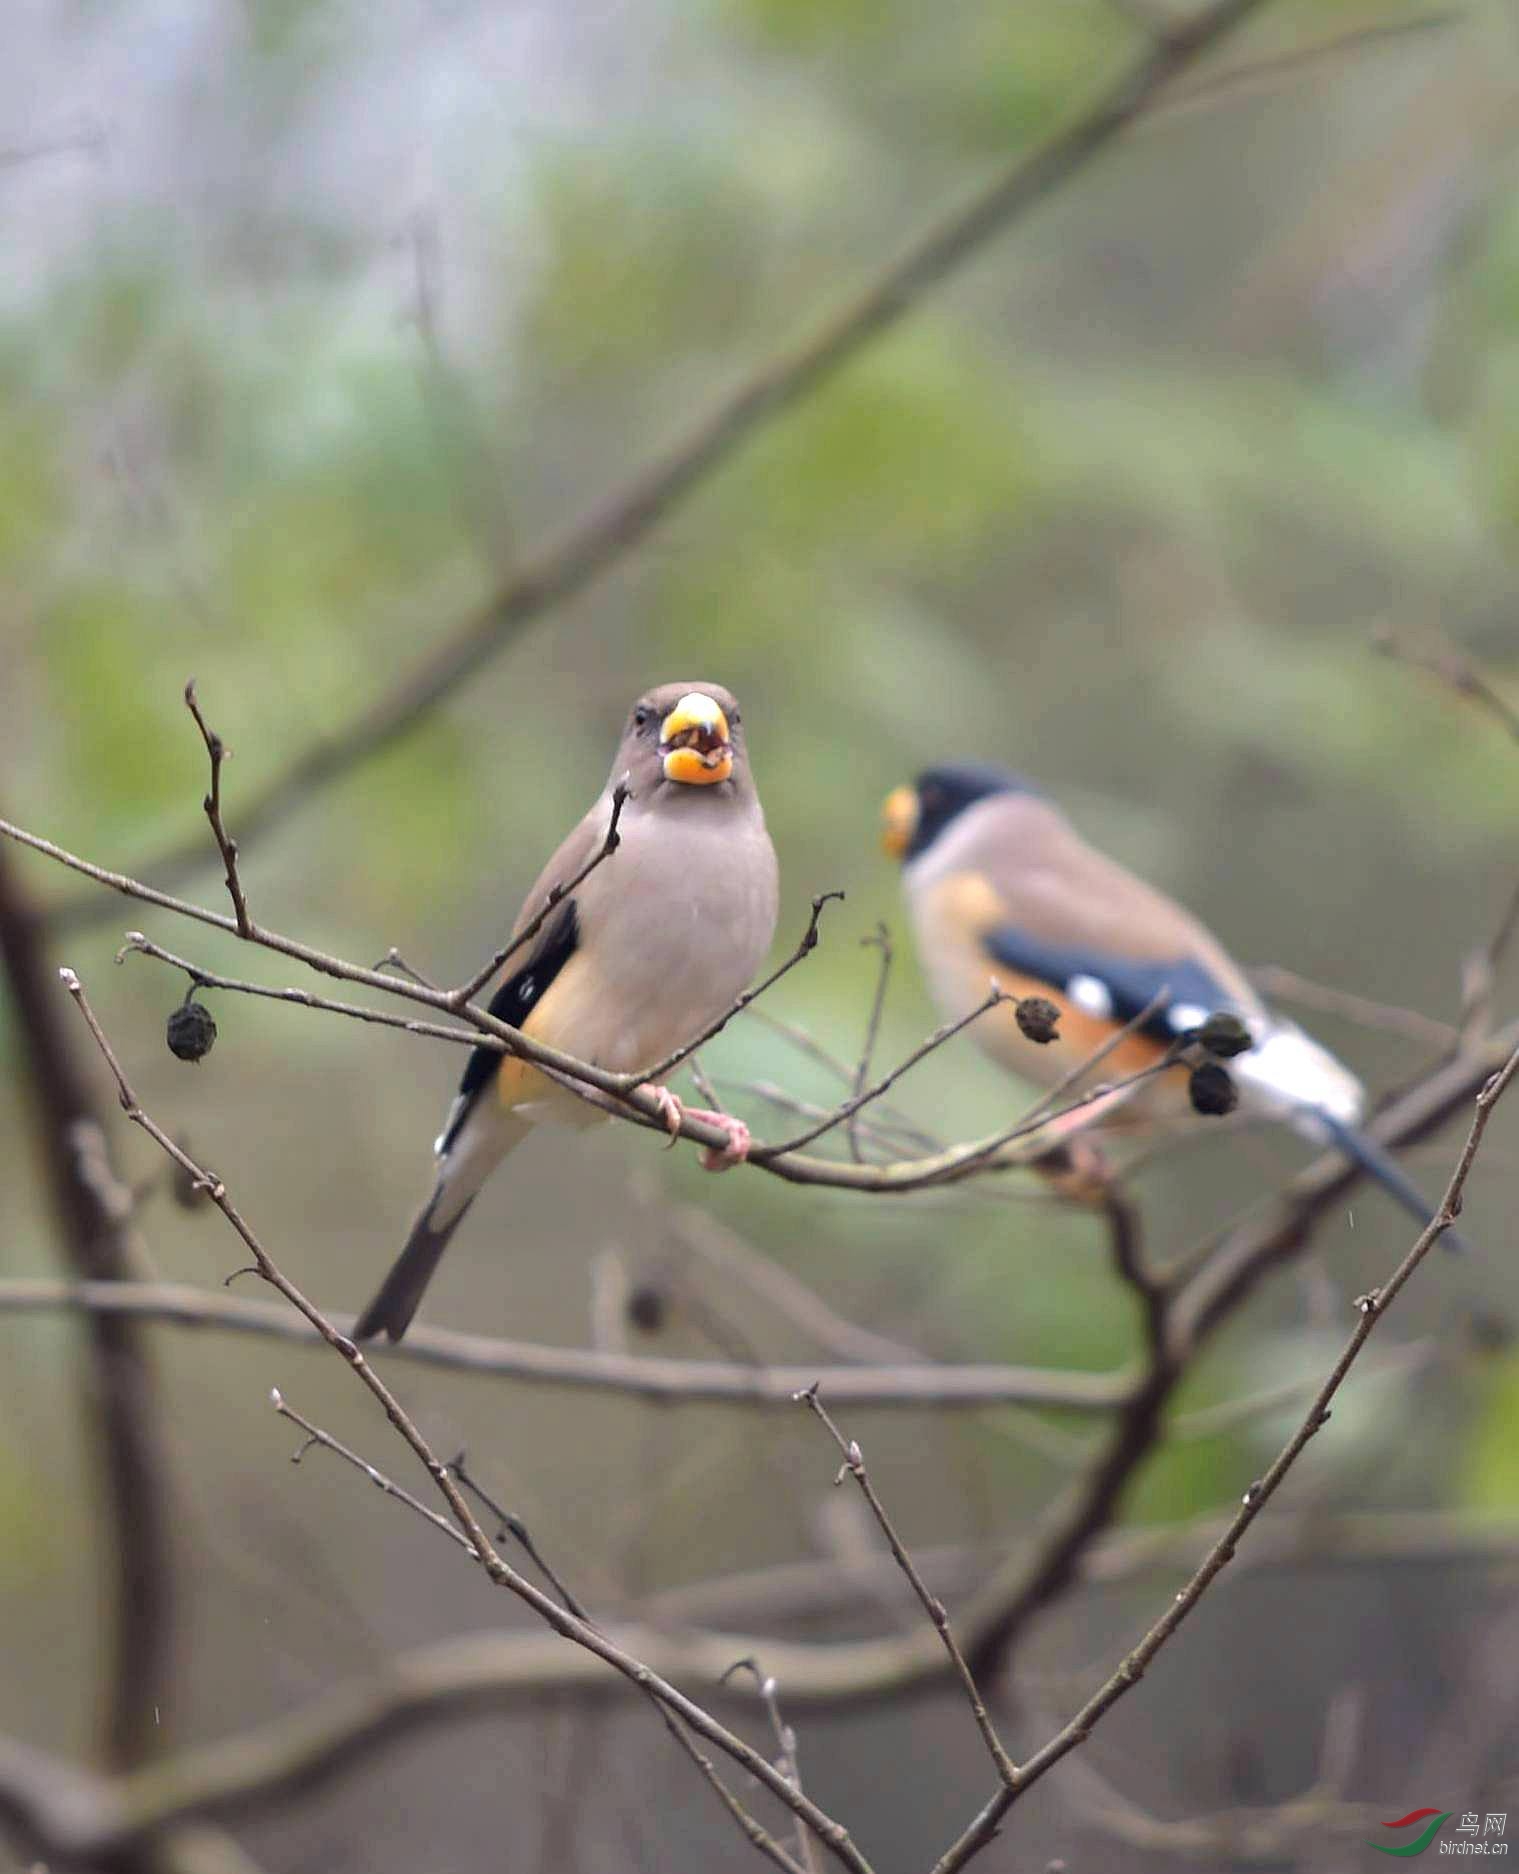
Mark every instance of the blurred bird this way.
pixel 1002 888
pixel 653 945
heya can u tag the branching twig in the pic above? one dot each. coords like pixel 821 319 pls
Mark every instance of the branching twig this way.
pixel 786 1760
pixel 944 1033
pixel 509 1523
pixel 1371 1308
pixel 139 945
pixel 854 1466
pixel 881 938
pixel 387 1485
pixel 1286 985
pixel 556 895
pixel 513 1525
pixel 805 948
pixel 216 754
pixel 833 1835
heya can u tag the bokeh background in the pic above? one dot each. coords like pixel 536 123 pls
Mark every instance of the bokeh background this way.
pixel 315 318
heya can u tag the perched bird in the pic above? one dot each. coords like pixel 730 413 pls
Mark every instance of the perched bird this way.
pixel 657 942
pixel 1002 888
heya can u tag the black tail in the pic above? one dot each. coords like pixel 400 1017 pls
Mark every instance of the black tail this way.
pixel 1377 1164
pixel 402 1290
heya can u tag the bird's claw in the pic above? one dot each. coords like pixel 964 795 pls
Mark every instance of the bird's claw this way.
pixel 669 1109
pixel 672 1111
pixel 736 1148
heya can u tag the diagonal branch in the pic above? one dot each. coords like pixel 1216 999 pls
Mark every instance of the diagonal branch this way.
pixel 556 895
pixel 1371 1308
pixel 632 513
pixel 568 1626
pixel 216 754
pixel 854 1466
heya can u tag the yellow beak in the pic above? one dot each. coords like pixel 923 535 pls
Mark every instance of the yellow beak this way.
pixel 694 742
pixel 899 820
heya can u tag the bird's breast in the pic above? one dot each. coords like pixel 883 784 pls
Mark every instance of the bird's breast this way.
pixel 680 922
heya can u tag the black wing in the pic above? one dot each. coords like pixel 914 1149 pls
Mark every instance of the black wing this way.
pixel 1129 986
pixel 513 1002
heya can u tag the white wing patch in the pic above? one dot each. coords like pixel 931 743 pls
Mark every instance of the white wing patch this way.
pixel 450 1120
pixel 1288 1071
pixel 1185 1015
pixel 1092 994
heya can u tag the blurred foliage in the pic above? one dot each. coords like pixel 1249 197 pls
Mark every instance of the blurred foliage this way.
pixel 1121 507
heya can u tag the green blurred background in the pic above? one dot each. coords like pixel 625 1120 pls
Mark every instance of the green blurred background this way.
pixel 314 318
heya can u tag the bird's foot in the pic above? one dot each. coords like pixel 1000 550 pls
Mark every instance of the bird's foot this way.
pixel 714 1158
pixel 670 1110
pixel 736 1148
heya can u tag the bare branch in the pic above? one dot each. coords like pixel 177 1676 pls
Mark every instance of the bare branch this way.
pixel 808 943
pixel 1437 657
pixel 944 1033
pixel 1287 986
pixel 881 938
pixel 387 1485
pixel 216 754
pixel 118 1393
pixel 854 1466
pixel 556 895
pixel 785 1742
pixel 139 945
pixel 644 1376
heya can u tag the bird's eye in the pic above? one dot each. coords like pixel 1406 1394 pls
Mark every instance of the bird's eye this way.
pixel 642 717
pixel 734 717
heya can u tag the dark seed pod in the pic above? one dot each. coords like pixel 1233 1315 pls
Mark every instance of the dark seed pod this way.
pixel 1213 1090
pixel 191 1032
pixel 647 1307
pixel 1225 1035
pixel 1039 1019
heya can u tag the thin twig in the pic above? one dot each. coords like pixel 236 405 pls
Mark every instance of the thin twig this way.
pixel 753 1830
pixel 1480 975
pixel 393 960
pixel 556 895
pixel 513 1525
pixel 881 938
pixel 854 1466
pixel 944 1033
pixel 1439 658
pixel 1286 985
pixel 386 1485
pixel 632 513
pixel 139 945
pixel 787 1761
pixel 509 1523
pixel 805 948
pixel 216 754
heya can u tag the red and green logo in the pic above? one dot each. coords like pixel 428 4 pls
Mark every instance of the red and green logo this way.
pixel 1432 1818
